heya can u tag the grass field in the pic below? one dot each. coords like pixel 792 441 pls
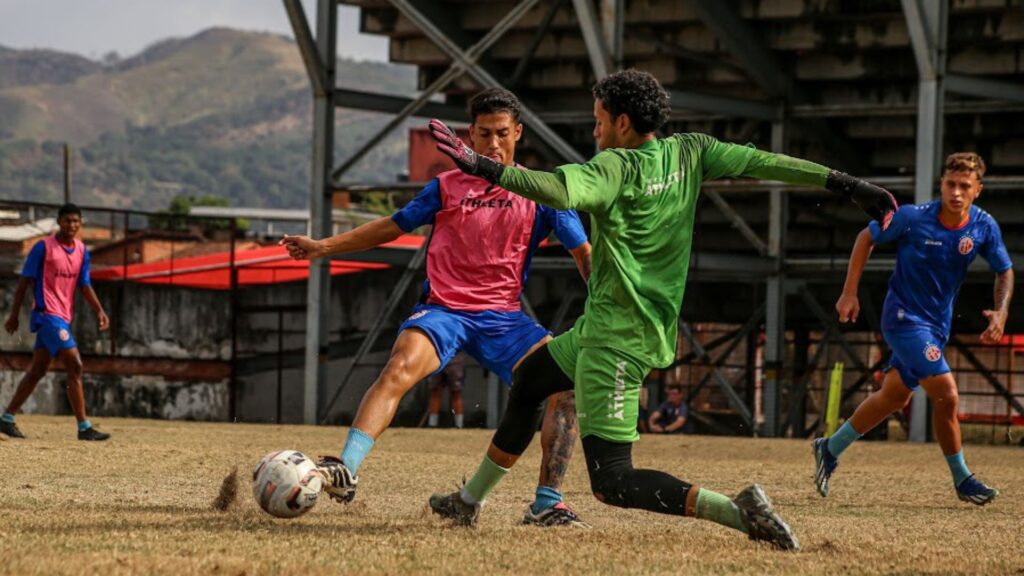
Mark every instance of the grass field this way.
pixel 142 504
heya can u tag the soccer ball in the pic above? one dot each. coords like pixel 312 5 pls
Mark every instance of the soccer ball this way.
pixel 286 483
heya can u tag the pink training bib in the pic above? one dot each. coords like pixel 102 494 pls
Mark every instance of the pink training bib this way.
pixel 60 277
pixel 479 245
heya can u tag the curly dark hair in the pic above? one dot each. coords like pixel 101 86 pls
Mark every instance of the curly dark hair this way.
pixel 636 94
pixel 492 101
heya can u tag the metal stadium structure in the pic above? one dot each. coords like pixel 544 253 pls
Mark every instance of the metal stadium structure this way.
pixel 880 88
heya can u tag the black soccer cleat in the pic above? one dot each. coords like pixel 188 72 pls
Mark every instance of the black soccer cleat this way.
pixel 10 429
pixel 91 434
pixel 453 507
pixel 761 521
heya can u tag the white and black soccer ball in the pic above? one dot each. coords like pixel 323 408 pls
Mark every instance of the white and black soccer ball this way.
pixel 286 483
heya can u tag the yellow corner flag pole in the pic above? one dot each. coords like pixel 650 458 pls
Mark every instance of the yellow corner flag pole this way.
pixel 835 393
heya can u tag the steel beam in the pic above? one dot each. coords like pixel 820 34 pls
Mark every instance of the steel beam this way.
pixel 775 296
pixel 307 47
pixel 613 20
pixel 927 23
pixel 987 375
pixel 796 421
pixel 415 264
pixel 730 393
pixel 389 104
pixel 545 26
pixel 318 289
pixel 738 222
pixel 533 121
pixel 760 63
pixel 593 38
pixel 744 42
pixel 723 105
pixel 985 87
pixel 753 322
pixel 454 71
pixel 826 320
pixel 709 347
pixel 848 393
pixel 922 36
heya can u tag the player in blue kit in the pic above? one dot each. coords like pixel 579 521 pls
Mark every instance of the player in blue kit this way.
pixel 935 244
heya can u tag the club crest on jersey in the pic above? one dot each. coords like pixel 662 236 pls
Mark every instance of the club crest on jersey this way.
pixel 932 353
pixel 418 315
pixel 966 245
pixel 63 334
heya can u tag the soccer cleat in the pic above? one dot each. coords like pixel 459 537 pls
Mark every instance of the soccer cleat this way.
pixel 10 429
pixel 339 482
pixel 825 465
pixel 975 491
pixel 558 515
pixel 453 507
pixel 761 521
pixel 91 434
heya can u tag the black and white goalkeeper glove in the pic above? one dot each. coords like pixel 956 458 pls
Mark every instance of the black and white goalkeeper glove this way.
pixel 876 201
pixel 465 158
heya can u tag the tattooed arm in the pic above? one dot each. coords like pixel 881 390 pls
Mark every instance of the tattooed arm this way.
pixel 997 317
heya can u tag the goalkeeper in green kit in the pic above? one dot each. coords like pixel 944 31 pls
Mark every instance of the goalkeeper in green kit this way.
pixel 641 193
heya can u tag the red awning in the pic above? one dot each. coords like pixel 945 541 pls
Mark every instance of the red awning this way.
pixel 269 265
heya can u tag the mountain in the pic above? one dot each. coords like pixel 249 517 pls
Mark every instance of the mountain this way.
pixel 223 112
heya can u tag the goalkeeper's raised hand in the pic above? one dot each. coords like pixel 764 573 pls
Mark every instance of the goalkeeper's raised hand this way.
pixel 465 158
pixel 876 201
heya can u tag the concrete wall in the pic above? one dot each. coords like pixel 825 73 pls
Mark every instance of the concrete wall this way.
pixel 160 322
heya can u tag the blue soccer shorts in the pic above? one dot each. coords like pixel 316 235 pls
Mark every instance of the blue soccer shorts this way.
pixel 497 340
pixel 917 353
pixel 52 333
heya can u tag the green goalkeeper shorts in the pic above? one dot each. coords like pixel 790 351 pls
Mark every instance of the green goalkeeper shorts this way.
pixel 607 383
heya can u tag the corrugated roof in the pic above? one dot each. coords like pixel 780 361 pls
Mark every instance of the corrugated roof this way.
pixel 269 265
pixel 29 230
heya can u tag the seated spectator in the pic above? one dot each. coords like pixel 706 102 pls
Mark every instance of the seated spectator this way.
pixel 671 416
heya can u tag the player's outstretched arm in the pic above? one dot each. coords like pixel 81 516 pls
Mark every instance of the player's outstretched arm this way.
pixel 364 237
pixel 11 325
pixel 722 159
pixel 997 316
pixel 848 305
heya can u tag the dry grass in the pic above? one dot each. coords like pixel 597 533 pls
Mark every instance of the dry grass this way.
pixel 141 504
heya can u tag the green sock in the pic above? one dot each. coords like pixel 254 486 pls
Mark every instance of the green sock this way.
pixel 487 476
pixel 719 509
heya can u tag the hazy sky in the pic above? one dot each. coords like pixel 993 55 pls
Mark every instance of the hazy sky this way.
pixel 95 27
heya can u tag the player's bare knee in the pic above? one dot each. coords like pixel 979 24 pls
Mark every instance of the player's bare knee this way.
pixel 37 370
pixel 73 366
pixel 947 402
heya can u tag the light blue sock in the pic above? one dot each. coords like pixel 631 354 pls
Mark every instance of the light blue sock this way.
pixel 8 417
pixel 958 467
pixel 84 425
pixel 357 446
pixel 546 498
pixel 841 440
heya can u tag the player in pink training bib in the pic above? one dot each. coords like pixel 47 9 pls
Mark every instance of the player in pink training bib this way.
pixel 55 267
pixel 478 260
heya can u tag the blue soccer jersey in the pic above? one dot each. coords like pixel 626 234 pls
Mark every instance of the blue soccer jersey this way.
pixel 932 262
